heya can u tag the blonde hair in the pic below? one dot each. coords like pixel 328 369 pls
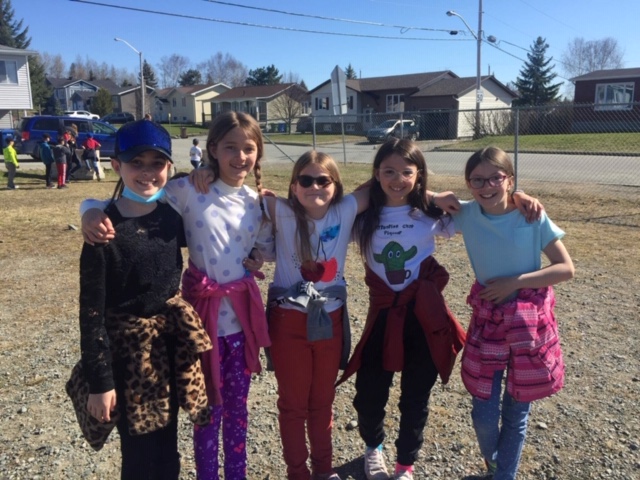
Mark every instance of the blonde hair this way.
pixel 327 163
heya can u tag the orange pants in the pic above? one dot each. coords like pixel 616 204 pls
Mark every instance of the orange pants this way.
pixel 306 373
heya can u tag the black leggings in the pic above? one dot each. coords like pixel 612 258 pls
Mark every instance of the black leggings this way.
pixel 373 382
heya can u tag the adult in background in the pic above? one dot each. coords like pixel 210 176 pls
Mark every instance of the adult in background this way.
pixel 46 157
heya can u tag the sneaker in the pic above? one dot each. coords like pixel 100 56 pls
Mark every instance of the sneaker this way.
pixel 325 476
pixel 15 187
pixel 63 186
pixel 374 467
pixel 51 186
pixel 404 475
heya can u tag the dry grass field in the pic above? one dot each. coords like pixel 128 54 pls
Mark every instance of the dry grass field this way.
pixel 590 430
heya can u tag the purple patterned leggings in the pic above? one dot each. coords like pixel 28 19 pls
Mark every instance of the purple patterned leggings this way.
pixel 235 378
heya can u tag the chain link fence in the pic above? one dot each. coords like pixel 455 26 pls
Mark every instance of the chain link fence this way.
pixel 584 148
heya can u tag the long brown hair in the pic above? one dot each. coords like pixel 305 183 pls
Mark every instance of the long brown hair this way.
pixel 302 221
pixel 367 222
pixel 222 125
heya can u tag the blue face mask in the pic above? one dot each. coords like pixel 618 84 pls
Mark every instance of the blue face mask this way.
pixel 131 195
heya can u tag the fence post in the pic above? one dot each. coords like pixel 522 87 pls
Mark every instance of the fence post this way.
pixel 515 146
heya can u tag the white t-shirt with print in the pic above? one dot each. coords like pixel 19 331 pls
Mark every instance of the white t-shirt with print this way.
pixel 330 238
pixel 403 239
pixel 221 228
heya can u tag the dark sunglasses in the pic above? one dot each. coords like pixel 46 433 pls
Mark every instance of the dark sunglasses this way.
pixel 305 181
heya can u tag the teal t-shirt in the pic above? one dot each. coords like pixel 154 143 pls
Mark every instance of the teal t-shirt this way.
pixel 503 245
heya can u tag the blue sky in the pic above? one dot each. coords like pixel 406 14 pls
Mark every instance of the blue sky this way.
pixel 515 23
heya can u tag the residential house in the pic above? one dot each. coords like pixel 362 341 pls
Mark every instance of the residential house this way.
pixel 272 106
pixel 614 105
pixel 438 100
pixel 76 94
pixel 189 104
pixel 15 86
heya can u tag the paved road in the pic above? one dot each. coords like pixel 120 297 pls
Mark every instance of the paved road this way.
pixel 610 170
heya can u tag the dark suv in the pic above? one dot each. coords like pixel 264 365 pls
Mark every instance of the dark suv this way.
pixel 118 117
pixel 32 129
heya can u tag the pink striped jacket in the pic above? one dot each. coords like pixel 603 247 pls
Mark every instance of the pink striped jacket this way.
pixel 520 335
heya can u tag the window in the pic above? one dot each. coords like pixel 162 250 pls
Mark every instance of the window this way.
pixel 395 102
pixel 350 102
pixel 184 102
pixel 173 102
pixel 322 103
pixel 8 72
pixel 614 96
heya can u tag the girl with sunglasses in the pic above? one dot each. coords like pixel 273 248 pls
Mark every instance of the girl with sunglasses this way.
pixel 512 328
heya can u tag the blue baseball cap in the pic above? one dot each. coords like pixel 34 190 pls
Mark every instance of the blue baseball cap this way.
pixel 133 138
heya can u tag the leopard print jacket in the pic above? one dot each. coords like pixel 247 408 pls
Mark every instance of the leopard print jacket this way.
pixel 139 342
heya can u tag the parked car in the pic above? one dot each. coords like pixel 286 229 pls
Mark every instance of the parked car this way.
pixel 119 117
pixel 8 133
pixel 82 114
pixel 393 128
pixel 304 125
pixel 33 128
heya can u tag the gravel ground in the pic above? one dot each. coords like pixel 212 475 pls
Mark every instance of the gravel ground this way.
pixel 590 430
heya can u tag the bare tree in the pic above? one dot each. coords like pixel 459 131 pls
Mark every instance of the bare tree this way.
pixel 583 56
pixel 171 68
pixel 224 68
pixel 53 65
pixel 289 105
pixel 78 68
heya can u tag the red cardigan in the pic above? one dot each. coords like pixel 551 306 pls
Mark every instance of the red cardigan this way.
pixel 445 336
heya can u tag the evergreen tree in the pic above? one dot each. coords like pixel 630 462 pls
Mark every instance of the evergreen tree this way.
pixel 534 84
pixel 350 72
pixel 190 77
pixel 149 75
pixel 13 35
pixel 264 76
pixel 102 103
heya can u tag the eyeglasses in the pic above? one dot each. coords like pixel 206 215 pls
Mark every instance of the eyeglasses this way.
pixel 390 173
pixel 323 181
pixel 493 181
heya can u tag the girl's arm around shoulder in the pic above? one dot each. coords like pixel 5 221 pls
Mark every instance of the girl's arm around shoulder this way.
pixel 96 226
pixel 559 270
pixel 447 201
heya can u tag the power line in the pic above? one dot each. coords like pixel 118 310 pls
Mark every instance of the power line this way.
pixel 334 19
pixel 272 27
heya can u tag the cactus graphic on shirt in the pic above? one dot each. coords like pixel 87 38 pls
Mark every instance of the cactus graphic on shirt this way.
pixel 394 257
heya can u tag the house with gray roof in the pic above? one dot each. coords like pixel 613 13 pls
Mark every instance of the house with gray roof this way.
pixel 15 86
pixel 188 104
pixel 440 102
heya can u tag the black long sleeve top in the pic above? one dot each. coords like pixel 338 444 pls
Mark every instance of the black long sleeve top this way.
pixel 136 273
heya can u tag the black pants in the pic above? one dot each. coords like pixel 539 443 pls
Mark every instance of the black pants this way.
pixel 373 382
pixel 151 456
pixel 47 173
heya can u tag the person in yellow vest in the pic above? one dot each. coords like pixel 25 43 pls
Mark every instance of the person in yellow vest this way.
pixel 11 162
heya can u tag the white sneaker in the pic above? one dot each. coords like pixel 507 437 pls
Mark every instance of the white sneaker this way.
pixel 374 467
pixel 406 475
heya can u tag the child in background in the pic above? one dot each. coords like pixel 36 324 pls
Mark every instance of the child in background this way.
pixel 46 157
pixel 11 163
pixel 130 304
pixel 512 326
pixel 222 228
pixel 90 154
pixel 195 154
pixel 409 327
pixel 61 154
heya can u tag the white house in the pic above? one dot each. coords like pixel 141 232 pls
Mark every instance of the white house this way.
pixel 15 85
pixel 190 104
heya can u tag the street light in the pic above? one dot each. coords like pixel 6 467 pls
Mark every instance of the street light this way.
pixel 478 37
pixel 142 89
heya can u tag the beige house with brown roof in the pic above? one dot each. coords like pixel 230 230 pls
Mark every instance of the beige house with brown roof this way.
pixel 268 104
pixel 439 101
pixel 190 104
